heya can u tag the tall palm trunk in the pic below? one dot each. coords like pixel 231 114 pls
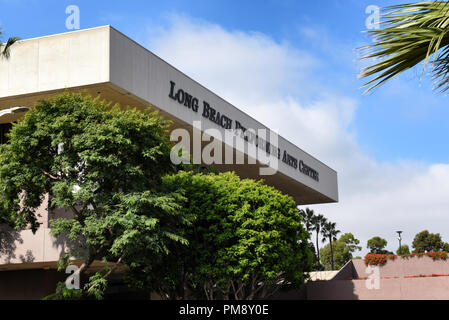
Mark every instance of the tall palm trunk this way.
pixel 317 248
pixel 330 233
pixel 332 253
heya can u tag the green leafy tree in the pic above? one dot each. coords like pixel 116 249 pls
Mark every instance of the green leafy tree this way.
pixel 246 241
pixel 4 47
pixel 103 165
pixel 404 249
pixel 351 242
pixel 410 34
pixel 330 233
pixel 377 245
pixel 428 242
pixel 339 253
pixel 445 247
pixel 343 250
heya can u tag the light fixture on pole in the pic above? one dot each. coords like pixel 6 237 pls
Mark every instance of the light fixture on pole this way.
pixel 13 110
pixel 399 238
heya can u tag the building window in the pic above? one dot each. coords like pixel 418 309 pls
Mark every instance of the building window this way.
pixel 4 129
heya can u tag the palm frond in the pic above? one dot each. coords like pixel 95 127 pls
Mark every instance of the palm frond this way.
pixel 409 34
pixel 4 48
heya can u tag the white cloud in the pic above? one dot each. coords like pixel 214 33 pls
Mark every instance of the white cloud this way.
pixel 215 57
pixel 271 82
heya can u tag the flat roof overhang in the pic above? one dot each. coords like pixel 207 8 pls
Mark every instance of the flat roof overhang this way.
pixel 102 61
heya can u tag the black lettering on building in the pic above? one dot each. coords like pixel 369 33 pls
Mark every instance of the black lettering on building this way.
pixel 206 109
pixel 183 97
pixel 308 171
pixel 290 160
pixel 195 104
pixel 172 89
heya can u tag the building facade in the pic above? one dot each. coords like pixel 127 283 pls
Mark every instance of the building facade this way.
pixel 102 61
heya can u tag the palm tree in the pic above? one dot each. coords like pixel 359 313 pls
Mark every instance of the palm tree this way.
pixel 318 221
pixel 307 215
pixel 410 34
pixel 330 233
pixel 4 47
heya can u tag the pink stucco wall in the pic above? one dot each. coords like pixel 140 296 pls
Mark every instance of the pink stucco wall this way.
pixel 389 289
pixel 405 267
pixel 394 283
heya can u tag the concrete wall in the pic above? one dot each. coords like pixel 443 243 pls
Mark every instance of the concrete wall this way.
pixel 390 289
pixel 18 247
pixel 401 267
pixel 394 282
pixel 347 272
pixel 322 275
pixel 56 62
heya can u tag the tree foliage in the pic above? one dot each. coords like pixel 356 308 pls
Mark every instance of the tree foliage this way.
pixel 307 216
pixel 343 250
pixel 377 245
pixel 428 242
pixel 410 34
pixel 318 222
pixel 184 235
pixel 330 233
pixel 403 249
pixel 5 47
pixel 104 165
pixel 246 241
pixel 351 242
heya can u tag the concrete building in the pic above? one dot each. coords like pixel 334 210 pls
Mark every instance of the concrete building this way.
pixel 103 61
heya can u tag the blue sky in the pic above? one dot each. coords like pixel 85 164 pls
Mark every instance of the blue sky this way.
pixel 389 147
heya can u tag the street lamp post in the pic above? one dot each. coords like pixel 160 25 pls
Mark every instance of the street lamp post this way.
pixel 399 238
